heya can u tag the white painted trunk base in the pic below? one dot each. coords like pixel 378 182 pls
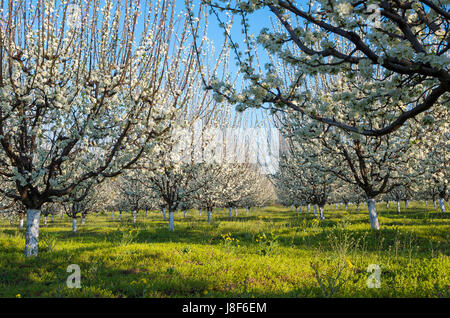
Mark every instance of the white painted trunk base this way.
pixel 164 214
pixel 229 213
pixel 373 214
pixel 398 206
pixel 171 221
pixel 442 204
pixel 32 232
pixel 21 223
pixel 134 216
pixel 235 211
pixel 315 210
pixel 321 212
pixel 74 225
pixel 209 216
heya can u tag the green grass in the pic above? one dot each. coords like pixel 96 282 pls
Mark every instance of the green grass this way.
pixel 271 252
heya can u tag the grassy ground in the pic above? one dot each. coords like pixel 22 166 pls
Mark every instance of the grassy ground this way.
pixel 271 252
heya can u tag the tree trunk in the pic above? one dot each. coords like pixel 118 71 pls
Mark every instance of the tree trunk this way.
pixel 146 212
pixel 426 203
pixel 61 215
pixel 184 213
pixel 387 205
pixel 373 214
pixel 442 204
pixel 315 210
pixel 112 215
pixel 346 205
pixel 164 214
pixel 21 222
pixel 11 220
pixel 171 221
pixel 45 220
pixel 74 225
pixel 200 212
pixel 435 206
pixel 134 216
pixel 32 232
pixel 246 209
pixel 357 207
pixel 209 216
pixel 307 208
pixel 322 215
pixel 83 220
pixel 300 209
pixel 120 215
pixel 406 204
pixel 229 213
pixel 336 206
pixel 235 211
pixel 398 206
pixel 53 218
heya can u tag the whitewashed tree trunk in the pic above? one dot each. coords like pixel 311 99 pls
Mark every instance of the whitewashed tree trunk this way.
pixel 164 214
pixel 11 220
pixel 315 210
pixel 442 204
pixel 45 220
pixel 398 206
pixel 358 208
pixel 229 213
pixel 321 212
pixel 301 209
pixel 146 213
pixel 426 203
pixel 387 204
pixel 209 216
pixel 184 213
pixel 406 204
pixel 74 225
pixel 134 216
pixel 235 211
pixel 120 215
pixel 32 232
pixel 171 221
pixel 200 212
pixel 296 209
pixel 112 215
pixel 83 220
pixel 373 216
pixel 307 208
pixel 336 206
pixel 346 205
pixel 61 215
pixel 21 223
pixel 246 209
pixel 53 218
pixel 435 206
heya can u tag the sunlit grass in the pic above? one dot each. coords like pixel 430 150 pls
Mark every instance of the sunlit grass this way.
pixel 265 253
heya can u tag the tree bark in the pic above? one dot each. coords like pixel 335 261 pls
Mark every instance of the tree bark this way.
pixel 74 225
pixel 321 212
pixel 235 211
pixel 398 206
pixel 229 212
pixel 120 215
pixel 171 221
pixel 373 216
pixel 442 204
pixel 32 232
pixel 315 210
pixel 21 223
pixel 164 214
pixel 134 216
pixel 209 216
